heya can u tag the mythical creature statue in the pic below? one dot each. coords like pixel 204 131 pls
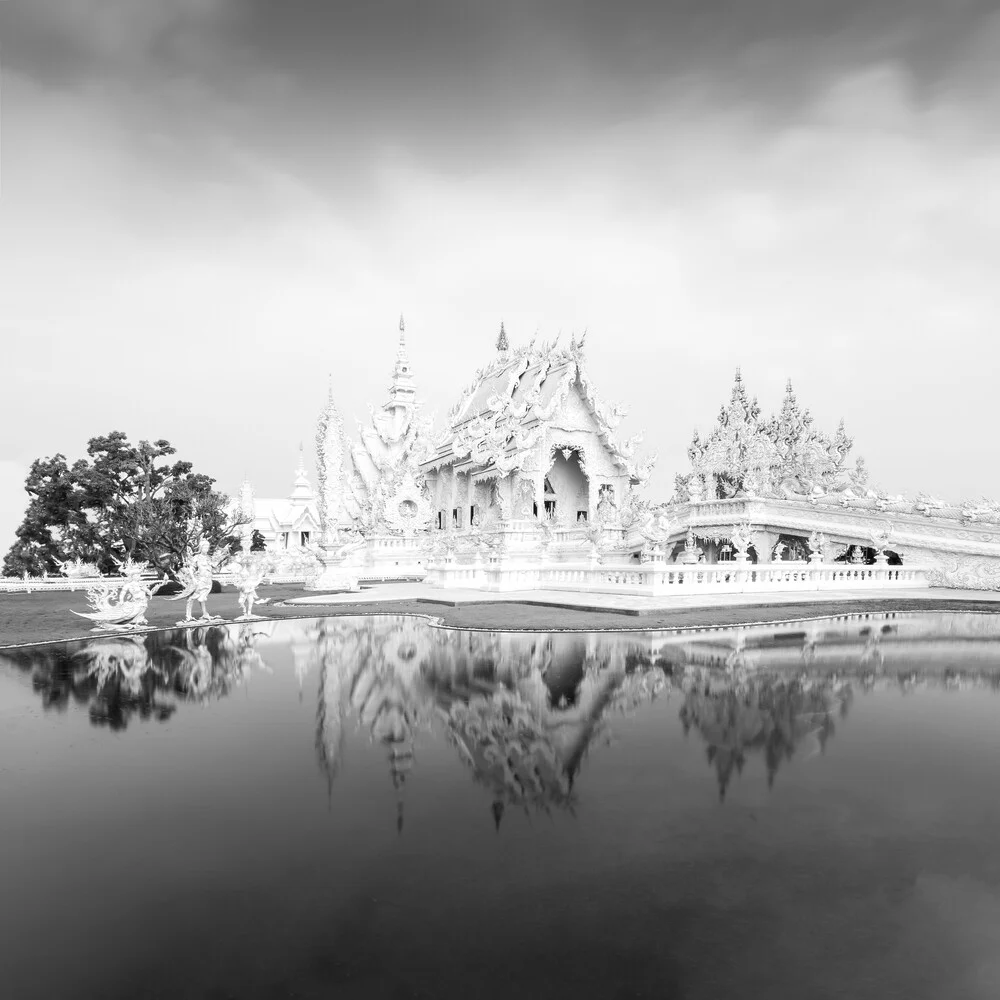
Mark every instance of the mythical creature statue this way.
pixel 656 530
pixel 880 535
pixel 120 605
pixel 741 536
pixel 250 570
pixel 817 546
pixel 195 576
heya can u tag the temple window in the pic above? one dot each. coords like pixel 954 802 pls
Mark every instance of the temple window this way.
pixel 581 515
pixel 440 520
pixel 550 508
pixel 534 509
pixel 606 492
pixel 726 553
pixel 454 518
pixel 305 538
pixel 284 539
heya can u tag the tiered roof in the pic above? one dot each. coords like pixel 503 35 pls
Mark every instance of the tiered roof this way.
pixel 501 415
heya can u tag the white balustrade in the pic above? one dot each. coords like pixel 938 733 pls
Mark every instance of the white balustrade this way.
pixel 654 579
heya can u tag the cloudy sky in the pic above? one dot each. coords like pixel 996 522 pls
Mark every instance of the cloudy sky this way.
pixel 208 206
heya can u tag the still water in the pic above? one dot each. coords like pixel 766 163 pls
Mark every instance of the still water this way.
pixel 373 807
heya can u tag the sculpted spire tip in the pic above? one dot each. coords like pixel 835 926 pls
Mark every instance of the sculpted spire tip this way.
pixel 503 344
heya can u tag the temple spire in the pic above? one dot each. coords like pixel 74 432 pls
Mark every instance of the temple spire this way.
pixel 503 344
pixel 301 491
pixel 403 388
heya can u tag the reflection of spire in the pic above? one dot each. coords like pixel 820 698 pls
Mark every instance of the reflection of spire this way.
pixel 329 712
pixel 497 813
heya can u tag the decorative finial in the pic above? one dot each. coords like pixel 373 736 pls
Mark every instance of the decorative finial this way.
pixel 788 386
pixel 503 344
pixel 329 387
pixel 739 376
pixel 402 325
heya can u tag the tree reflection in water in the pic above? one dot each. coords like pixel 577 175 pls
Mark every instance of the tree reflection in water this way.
pixel 119 677
pixel 523 710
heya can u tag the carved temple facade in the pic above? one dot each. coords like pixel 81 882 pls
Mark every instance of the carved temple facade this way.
pixel 528 486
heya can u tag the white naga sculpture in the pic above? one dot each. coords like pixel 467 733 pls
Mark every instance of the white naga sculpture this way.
pixel 195 576
pixel 120 605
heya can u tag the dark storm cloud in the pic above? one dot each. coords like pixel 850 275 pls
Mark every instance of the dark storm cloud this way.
pixel 326 87
pixel 488 65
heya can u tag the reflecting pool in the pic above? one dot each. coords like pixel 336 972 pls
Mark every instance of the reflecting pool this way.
pixel 375 807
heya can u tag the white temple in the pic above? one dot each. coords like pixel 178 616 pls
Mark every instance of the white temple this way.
pixel 529 487
pixel 290 522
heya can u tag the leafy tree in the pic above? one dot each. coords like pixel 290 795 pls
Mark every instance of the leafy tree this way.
pixel 127 500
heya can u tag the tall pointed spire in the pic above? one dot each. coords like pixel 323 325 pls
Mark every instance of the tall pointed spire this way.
pixel 302 490
pixel 403 389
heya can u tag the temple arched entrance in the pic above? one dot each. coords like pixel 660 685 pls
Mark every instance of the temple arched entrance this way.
pixel 567 490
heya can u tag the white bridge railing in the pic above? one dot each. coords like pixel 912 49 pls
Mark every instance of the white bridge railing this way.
pixel 652 579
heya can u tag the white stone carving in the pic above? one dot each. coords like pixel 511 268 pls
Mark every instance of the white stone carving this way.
pixel 250 568
pixel 120 605
pixel 195 576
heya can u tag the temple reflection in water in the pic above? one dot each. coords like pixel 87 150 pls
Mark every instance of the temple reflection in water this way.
pixel 522 710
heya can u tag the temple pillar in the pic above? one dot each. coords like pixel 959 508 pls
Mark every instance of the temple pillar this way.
pixel 764 543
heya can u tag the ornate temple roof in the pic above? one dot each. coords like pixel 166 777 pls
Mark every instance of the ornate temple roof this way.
pixel 500 415
pixel 296 512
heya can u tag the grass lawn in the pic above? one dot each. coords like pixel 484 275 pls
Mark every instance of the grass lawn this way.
pixel 45 616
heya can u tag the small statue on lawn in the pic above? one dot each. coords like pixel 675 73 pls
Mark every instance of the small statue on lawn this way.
pixel 195 576
pixel 250 570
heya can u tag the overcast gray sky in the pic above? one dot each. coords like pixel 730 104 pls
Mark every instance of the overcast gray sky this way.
pixel 208 205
